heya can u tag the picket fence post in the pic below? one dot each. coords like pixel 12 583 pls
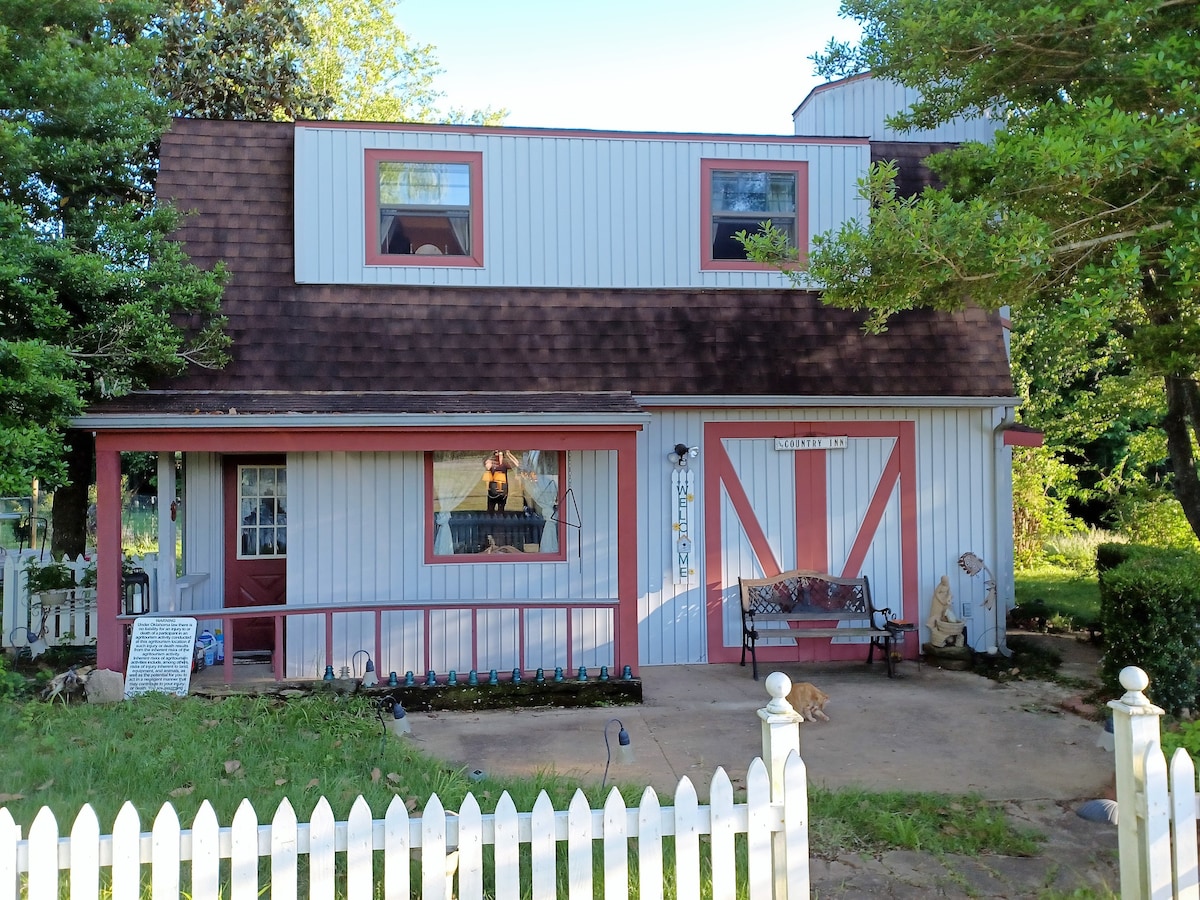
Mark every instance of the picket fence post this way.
pixel 780 739
pixel 1135 728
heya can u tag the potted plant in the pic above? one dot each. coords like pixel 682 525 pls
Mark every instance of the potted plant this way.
pixel 54 577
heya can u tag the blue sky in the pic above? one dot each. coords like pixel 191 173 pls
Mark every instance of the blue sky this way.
pixel 635 65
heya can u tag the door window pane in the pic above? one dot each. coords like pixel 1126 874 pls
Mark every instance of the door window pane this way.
pixel 262 509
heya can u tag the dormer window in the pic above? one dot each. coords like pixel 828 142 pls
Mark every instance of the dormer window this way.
pixel 739 195
pixel 424 208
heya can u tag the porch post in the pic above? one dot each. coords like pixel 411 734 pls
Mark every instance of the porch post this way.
pixel 168 593
pixel 627 547
pixel 110 638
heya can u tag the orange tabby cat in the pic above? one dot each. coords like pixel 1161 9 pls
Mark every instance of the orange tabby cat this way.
pixel 808 700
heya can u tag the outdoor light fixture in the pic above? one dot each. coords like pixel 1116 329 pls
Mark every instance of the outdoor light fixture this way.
pixel 681 453
pixel 370 677
pixel 624 748
pixel 392 716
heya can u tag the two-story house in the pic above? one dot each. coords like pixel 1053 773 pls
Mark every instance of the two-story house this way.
pixel 514 398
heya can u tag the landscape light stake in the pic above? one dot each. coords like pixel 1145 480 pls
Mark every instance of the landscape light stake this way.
pixel 624 748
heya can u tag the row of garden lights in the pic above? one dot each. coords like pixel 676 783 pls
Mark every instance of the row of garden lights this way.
pixel 431 678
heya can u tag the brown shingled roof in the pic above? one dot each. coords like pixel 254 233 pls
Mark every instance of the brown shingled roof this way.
pixel 364 339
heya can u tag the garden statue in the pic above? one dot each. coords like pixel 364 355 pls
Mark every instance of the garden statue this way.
pixel 945 628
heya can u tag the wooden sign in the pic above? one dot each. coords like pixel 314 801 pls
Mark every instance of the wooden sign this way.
pixel 812 443
pixel 160 656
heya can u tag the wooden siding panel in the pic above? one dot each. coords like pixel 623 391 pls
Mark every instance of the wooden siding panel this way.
pixel 203 528
pixel 559 211
pixel 546 639
pixel 499 640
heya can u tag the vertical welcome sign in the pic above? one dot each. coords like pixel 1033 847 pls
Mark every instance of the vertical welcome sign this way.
pixel 683 499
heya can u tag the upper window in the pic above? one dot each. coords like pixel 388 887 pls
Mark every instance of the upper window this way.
pixel 494 506
pixel 424 208
pixel 739 195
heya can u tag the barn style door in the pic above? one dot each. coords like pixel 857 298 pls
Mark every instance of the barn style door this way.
pixel 836 497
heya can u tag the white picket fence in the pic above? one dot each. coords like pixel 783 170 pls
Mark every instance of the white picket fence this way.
pixel 62 620
pixel 546 853
pixel 1157 803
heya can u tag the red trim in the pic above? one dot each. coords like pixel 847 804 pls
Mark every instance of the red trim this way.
pixel 371 204
pixel 432 558
pixel 1019 437
pixel 898 471
pixel 110 634
pixel 812 531
pixel 707 166
pixel 625 650
pixel 519 131
pixel 381 439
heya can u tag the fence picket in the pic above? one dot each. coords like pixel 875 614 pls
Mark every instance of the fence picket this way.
pixel 360 875
pixel 10 836
pixel 687 841
pixel 322 844
pixel 396 874
pixel 285 852
pixel 127 854
pixel 470 849
pixel 85 855
pixel 243 853
pixel 43 856
pixel 795 827
pixel 543 863
pixel 650 853
pixel 164 853
pixel 434 882
pixel 722 827
pixel 206 844
pixel 616 847
pixel 1157 837
pixel 579 848
pixel 758 829
pixel 1183 818
pixel 507 849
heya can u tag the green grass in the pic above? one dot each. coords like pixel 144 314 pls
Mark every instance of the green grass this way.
pixel 160 749
pixel 1064 592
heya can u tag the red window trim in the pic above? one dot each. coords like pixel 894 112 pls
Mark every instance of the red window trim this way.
pixel 475 558
pixel 707 167
pixel 372 158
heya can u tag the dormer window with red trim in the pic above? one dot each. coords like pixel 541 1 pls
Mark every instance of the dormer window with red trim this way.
pixel 424 208
pixel 739 195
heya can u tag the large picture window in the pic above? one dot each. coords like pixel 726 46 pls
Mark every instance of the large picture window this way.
pixel 495 505
pixel 739 195
pixel 424 208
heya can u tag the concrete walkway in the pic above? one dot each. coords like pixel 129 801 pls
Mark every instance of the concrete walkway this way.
pixel 928 730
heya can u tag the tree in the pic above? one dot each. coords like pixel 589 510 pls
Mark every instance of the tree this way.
pixel 91 289
pixel 371 69
pixel 1082 215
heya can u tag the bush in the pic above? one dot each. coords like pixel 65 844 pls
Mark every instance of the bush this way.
pixel 1077 551
pixel 1150 613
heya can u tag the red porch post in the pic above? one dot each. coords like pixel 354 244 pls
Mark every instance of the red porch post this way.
pixel 110 637
pixel 627 548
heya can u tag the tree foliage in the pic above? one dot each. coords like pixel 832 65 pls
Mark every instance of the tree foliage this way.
pixel 90 287
pixel 1082 215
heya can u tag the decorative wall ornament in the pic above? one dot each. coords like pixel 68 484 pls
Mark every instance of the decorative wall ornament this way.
pixel 683 500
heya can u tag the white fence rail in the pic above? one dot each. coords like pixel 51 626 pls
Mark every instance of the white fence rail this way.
pixel 1157 802
pixel 579 852
pixel 60 619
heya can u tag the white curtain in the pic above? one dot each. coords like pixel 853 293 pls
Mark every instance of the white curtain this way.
pixel 453 481
pixel 462 231
pixel 541 487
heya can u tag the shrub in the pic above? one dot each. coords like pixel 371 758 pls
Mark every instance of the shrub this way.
pixel 1077 551
pixel 1150 612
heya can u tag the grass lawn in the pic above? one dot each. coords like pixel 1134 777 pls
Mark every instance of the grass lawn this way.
pixel 1064 592
pixel 159 749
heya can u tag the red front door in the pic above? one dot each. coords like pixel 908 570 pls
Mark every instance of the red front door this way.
pixel 255 544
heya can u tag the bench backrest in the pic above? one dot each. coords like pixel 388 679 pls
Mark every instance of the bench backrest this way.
pixel 802 592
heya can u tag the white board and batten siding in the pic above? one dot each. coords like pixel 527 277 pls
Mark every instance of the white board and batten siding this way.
pixel 571 210
pixel 357 526
pixel 958 496
pixel 861 105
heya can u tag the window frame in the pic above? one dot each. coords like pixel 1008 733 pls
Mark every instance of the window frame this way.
pixel 796 167
pixel 371 161
pixel 489 558
pixel 257 526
